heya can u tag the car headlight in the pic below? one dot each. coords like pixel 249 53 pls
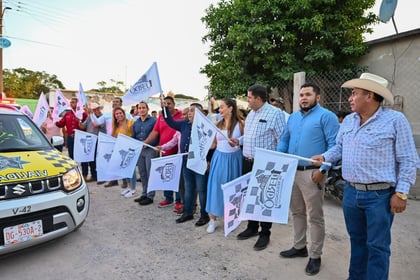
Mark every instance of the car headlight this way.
pixel 72 179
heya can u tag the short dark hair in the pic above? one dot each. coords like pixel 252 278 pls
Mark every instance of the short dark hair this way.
pixel 259 90
pixel 198 106
pixel 170 98
pixel 316 88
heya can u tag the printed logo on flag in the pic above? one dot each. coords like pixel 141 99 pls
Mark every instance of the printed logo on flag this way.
pixel 127 157
pixel 143 84
pixel 87 144
pixel 166 171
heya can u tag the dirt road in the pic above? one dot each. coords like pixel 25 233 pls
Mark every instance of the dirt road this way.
pixel 121 240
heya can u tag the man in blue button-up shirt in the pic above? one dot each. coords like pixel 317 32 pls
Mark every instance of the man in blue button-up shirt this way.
pixel 310 131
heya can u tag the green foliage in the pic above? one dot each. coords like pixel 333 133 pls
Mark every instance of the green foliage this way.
pixel 24 83
pixel 113 87
pixel 266 41
pixel 183 96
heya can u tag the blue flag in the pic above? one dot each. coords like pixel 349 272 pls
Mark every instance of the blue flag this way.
pixel 146 86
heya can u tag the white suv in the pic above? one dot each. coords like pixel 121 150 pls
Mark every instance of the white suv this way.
pixel 42 193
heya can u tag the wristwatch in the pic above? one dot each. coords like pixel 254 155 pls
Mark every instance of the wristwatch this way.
pixel 401 195
pixel 323 171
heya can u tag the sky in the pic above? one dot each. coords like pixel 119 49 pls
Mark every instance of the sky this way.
pixel 99 40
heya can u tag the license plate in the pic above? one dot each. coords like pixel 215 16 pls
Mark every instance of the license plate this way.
pixel 22 232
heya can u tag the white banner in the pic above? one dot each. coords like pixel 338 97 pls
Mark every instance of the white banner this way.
pixel 165 173
pixel 202 136
pixel 124 156
pixel 268 195
pixel 60 105
pixel 233 196
pixel 103 155
pixel 41 110
pixel 146 86
pixel 82 94
pixel 84 146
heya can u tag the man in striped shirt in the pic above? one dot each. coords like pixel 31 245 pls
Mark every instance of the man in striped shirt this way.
pixel 263 127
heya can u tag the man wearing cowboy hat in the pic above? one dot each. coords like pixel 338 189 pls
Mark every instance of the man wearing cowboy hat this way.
pixel 279 103
pixel 90 127
pixel 379 160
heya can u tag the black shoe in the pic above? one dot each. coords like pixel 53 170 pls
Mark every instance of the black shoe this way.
pixel 146 201
pixel 293 253
pixel 262 242
pixel 202 221
pixel 184 218
pixel 140 198
pixel 247 234
pixel 111 184
pixel 100 182
pixel 313 266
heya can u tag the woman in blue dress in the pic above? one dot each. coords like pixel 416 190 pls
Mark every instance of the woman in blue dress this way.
pixel 226 163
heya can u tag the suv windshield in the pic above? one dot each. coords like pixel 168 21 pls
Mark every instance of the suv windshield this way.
pixel 18 132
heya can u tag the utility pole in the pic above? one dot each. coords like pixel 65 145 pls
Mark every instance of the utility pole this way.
pixel 1 47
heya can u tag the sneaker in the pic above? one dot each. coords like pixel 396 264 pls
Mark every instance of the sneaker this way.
pixel 164 204
pixel 146 201
pixel 124 192
pixel 130 193
pixel 178 207
pixel 212 226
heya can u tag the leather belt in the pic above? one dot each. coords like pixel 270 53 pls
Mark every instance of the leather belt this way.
pixel 371 187
pixel 306 167
pixel 249 159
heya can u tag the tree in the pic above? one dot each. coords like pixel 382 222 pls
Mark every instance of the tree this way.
pixel 24 83
pixel 266 41
pixel 114 87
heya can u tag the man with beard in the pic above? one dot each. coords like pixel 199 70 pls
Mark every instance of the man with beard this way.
pixel 309 131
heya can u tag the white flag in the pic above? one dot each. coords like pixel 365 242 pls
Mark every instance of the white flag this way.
pixel 124 156
pixel 79 106
pixel 146 86
pixel 84 146
pixel 103 155
pixel 267 198
pixel 25 109
pixel 82 94
pixel 202 136
pixel 233 196
pixel 165 173
pixel 41 110
pixel 60 105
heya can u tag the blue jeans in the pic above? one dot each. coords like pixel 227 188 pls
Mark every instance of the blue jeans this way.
pixel 70 146
pixel 194 182
pixel 368 220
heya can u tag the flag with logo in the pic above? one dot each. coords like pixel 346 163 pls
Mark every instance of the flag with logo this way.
pixel 103 156
pixel 124 156
pixel 165 173
pixel 202 135
pixel 84 146
pixel 41 110
pixel 267 198
pixel 233 196
pixel 146 86
pixel 82 95
pixel 61 104
pixel 25 109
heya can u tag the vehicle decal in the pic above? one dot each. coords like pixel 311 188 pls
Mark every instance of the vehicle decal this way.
pixel 11 162
pixel 24 175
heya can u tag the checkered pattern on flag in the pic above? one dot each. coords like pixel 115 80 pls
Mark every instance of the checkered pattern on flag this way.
pixel 146 86
pixel 233 196
pixel 103 156
pixel 268 195
pixel 202 136
pixel 41 110
pixel 124 156
pixel 60 105
pixel 84 146
pixel 165 173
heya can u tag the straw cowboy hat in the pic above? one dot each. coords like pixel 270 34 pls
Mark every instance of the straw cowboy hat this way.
pixel 94 105
pixel 372 83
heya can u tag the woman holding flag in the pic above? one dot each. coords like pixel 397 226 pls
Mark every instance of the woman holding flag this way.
pixel 226 163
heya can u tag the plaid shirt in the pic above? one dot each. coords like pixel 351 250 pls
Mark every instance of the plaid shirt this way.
pixel 263 129
pixel 381 150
